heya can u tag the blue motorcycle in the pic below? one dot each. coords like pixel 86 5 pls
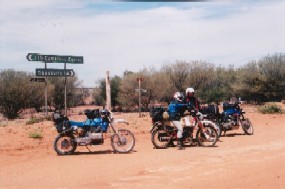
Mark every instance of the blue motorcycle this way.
pixel 90 132
pixel 232 118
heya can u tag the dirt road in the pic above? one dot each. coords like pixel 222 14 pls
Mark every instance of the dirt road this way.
pixel 237 161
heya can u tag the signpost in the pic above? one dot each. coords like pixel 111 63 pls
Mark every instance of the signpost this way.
pixel 55 72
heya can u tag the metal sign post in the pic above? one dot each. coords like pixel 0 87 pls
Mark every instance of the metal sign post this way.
pixel 65 100
pixel 46 92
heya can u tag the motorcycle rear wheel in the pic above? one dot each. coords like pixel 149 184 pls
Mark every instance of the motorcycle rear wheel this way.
pixel 247 126
pixel 160 138
pixel 64 145
pixel 203 141
pixel 123 141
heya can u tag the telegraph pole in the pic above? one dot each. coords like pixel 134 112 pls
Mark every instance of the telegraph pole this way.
pixel 108 92
pixel 139 79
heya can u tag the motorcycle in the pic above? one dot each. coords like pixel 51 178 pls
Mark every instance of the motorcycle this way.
pixel 90 132
pixel 211 113
pixel 163 133
pixel 232 118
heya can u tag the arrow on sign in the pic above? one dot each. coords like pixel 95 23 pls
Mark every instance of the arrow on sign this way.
pixel 55 72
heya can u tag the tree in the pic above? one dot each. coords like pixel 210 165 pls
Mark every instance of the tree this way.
pixel 58 91
pixel 177 74
pixel 262 80
pixel 200 74
pixel 272 71
pixel 127 95
pixel 195 74
pixel 248 85
pixel 14 92
pixel 100 93
pixel 219 87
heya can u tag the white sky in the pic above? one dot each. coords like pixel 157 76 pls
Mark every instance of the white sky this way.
pixel 115 36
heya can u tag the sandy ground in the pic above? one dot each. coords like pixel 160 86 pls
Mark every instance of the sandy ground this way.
pixel 237 161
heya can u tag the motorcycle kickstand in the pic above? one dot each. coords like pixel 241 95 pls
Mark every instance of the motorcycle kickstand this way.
pixel 88 148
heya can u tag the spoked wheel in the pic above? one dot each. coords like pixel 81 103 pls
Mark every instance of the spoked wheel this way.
pixel 64 145
pixel 160 138
pixel 247 127
pixel 215 124
pixel 123 141
pixel 203 141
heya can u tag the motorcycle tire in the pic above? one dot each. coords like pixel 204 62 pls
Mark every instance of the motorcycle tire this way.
pixel 247 126
pixel 123 141
pixel 64 145
pixel 160 138
pixel 203 141
pixel 217 126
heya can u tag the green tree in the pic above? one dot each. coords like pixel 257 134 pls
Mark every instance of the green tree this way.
pixel 14 92
pixel 262 80
pixel 272 72
pixel 57 95
pixel 220 85
pixel 177 74
pixel 100 93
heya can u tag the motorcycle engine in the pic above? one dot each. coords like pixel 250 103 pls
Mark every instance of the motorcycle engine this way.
pixel 90 138
pixel 231 121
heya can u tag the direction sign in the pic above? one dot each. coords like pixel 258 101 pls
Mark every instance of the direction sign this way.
pixel 55 58
pixel 38 79
pixel 55 72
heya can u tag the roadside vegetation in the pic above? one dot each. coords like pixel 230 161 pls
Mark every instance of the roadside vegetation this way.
pixel 271 108
pixel 256 82
pixel 35 134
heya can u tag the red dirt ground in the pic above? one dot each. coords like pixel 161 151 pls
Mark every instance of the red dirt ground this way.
pixel 237 161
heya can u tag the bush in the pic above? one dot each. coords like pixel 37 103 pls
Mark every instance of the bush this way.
pixel 14 93
pixel 270 109
pixel 33 120
pixel 36 134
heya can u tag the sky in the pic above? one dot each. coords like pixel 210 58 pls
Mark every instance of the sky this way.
pixel 116 36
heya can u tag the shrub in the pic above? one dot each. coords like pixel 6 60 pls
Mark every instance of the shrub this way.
pixel 35 134
pixel 270 109
pixel 33 120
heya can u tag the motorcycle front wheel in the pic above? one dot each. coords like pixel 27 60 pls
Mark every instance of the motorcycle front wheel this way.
pixel 215 124
pixel 203 141
pixel 64 145
pixel 247 126
pixel 160 138
pixel 123 141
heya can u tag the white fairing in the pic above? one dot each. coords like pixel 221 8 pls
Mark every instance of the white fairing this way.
pixel 210 123
pixel 120 121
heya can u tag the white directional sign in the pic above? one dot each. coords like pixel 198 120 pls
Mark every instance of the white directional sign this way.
pixel 55 58
pixel 55 72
